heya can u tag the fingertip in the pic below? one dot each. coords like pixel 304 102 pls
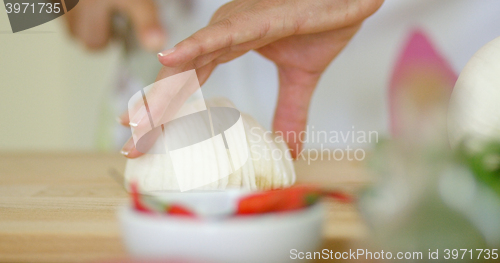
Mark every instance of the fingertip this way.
pixel 169 57
pixel 132 154
pixel 295 149
pixel 123 119
pixel 129 151
pixel 165 53
pixel 183 52
pixel 95 44
pixel 293 142
pixel 122 122
pixel 293 131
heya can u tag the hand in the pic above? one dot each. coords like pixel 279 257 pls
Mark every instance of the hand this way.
pixel 300 37
pixel 90 22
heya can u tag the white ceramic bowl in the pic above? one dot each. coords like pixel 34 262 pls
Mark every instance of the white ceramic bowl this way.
pixel 262 238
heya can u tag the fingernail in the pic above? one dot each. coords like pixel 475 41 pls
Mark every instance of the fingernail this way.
pixel 166 52
pixel 155 40
pixel 128 147
pixel 139 115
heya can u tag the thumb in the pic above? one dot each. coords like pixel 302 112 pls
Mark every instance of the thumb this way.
pixel 146 23
pixel 295 93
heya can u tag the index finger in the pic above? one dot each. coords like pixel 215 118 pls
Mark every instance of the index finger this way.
pixel 234 30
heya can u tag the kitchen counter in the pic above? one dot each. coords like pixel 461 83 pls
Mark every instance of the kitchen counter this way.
pixel 61 207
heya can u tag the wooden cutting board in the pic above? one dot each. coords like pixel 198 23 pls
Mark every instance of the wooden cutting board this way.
pixel 62 207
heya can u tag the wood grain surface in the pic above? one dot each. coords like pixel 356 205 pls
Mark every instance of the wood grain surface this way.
pixel 62 207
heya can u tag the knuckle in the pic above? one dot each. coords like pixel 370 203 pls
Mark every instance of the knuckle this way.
pixel 297 25
pixel 266 4
pixel 225 23
pixel 264 29
pixel 199 62
pixel 229 40
pixel 192 43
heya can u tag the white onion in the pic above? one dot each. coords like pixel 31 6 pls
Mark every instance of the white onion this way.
pixel 475 102
pixel 269 165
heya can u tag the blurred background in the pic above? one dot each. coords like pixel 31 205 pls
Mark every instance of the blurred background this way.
pixel 53 92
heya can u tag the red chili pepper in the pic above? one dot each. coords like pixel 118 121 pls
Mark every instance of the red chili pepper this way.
pixel 259 203
pixel 289 199
pixel 136 198
pixel 141 207
pixel 278 200
pixel 179 211
pixel 339 196
pixel 298 197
